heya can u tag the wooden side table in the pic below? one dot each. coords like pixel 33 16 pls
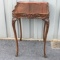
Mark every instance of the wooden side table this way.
pixel 31 10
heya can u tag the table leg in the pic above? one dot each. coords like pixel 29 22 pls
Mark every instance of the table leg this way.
pixel 13 25
pixel 46 27
pixel 20 30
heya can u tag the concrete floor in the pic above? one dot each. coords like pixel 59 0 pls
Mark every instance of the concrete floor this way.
pixel 28 50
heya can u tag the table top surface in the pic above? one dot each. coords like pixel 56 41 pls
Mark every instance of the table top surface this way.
pixel 31 8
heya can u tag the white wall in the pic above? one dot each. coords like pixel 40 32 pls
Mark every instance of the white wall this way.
pixel 2 20
pixel 32 28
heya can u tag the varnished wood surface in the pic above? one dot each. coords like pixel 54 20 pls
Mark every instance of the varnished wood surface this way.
pixel 31 10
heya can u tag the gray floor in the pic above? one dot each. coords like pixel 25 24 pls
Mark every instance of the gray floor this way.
pixel 28 50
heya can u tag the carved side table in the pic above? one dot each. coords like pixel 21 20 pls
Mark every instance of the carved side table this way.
pixel 31 10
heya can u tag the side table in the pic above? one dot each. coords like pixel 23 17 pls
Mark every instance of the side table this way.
pixel 31 10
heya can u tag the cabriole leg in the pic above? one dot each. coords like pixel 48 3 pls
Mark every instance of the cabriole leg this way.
pixel 14 30
pixel 46 27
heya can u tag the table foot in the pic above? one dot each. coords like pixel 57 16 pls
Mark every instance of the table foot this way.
pixel 20 39
pixel 45 56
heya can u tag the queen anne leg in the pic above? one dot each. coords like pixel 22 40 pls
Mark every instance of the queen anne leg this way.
pixel 46 27
pixel 13 25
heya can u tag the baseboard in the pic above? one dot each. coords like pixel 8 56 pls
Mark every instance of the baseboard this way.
pixel 19 39
pixel 31 39
pixel 28 39
pixel 55 40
